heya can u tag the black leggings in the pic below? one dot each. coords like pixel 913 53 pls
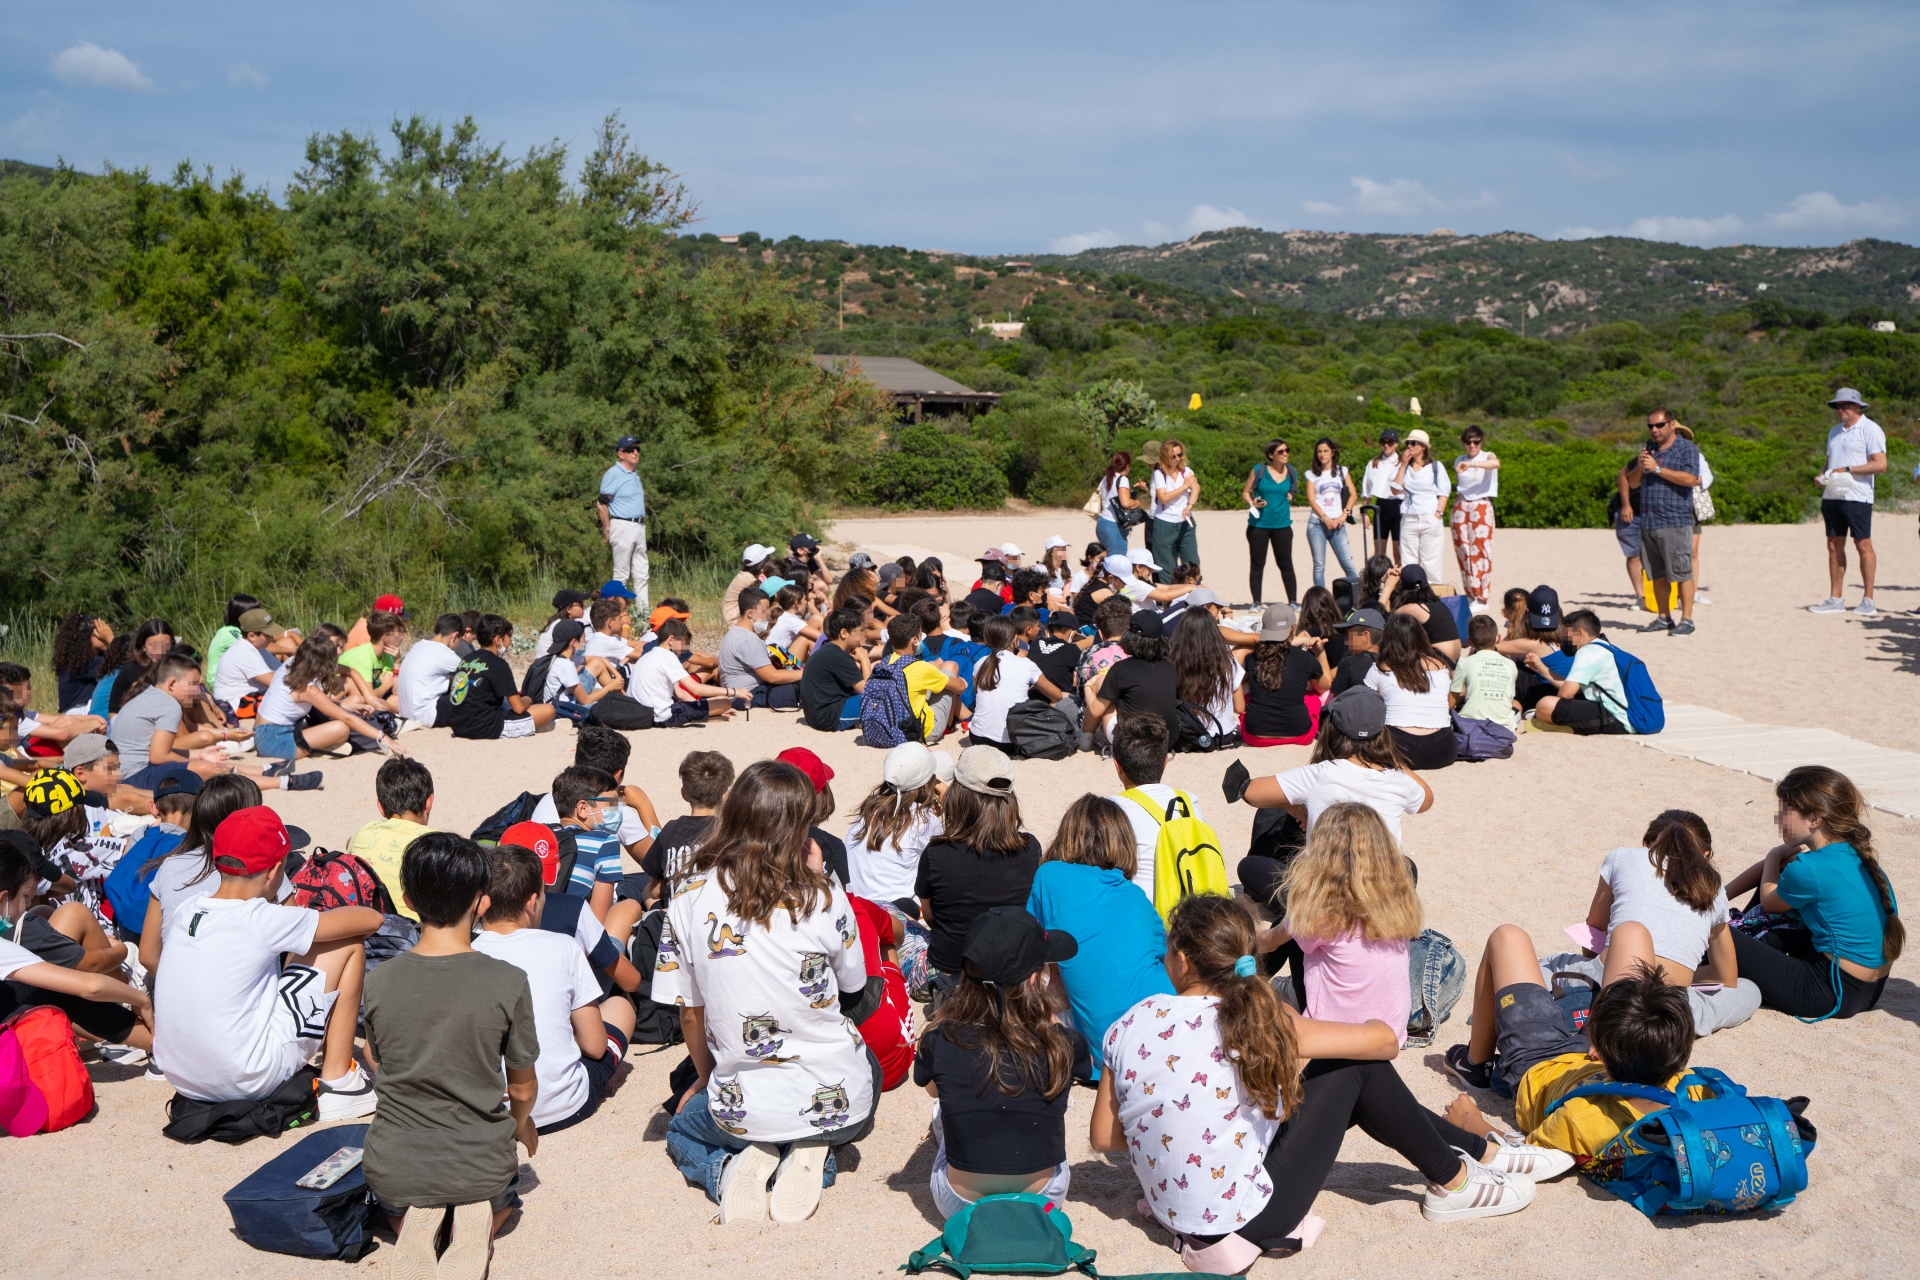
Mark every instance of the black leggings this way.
pixel 1800 981
pixel 110 1022
pixel 1340 1094
pixel 1281 540
pixel 1434 750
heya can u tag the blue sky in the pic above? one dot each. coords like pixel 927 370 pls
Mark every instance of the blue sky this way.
pixel 993 127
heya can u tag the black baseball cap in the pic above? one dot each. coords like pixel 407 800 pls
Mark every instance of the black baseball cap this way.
pixel 565 632
pixel 175 779
pixel 1371 619
pixel 1543 608
pixel 1007 946
pixel 1147 623
pixel 1389 436
pixel 1413 575
pixel 625 443
pixel 1360 713
pixel 802 542
pixel 567 597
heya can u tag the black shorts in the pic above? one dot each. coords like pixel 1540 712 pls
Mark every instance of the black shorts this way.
pixel 1529 1028
pixel 599 1071
pixel 1847 519
pixel 112 1023
pixel 1585 716
pixel 683 713
pixel 1386 518
pixel 1434 750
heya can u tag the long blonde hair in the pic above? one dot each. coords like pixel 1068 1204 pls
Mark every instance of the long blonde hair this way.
pixel 1352 876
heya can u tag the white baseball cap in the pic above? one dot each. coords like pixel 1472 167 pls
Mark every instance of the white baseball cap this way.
pixel 943 766
pixel 754 554
pixel 1142 557
pixel 1055 541
pixel 1008 549
pixel 908 766
pixel 1118 566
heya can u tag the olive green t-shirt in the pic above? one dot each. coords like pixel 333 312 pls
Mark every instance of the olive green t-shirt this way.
pixel 438 1028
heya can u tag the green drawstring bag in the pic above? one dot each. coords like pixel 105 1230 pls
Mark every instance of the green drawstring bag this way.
pixel 1014 1235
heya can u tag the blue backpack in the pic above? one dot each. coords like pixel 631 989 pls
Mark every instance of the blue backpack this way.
pixel 886 714
pixel 1727 1154
pixel 1646 713
pixel 127 888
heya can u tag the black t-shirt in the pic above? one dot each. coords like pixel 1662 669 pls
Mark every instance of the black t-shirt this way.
pixel 475 703
pixel 961 884
pixel 826 682
pixel 1282 712
pixel 672 853
pixel 1137 688
pixel 40 937
pixel 987 1131
pixel 1440 626
pixel 1336 648
pixel 1056 659
pixel 1353 670
pixel 1084 604
pixel 986 600
pixel 77 690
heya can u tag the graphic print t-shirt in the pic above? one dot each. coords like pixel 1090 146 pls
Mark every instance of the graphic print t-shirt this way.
pixel 787 1063
pixel 672 851
pixel 475 703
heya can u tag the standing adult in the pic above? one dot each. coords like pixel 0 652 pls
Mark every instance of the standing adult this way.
pixel 1424 488
pixel 1668 469
pixel 1116 495
pixel 1376 482
pixel 1479 473
pixel 1856 453
pixel 622 508
pixel 1330 498
pixel 1268 494
pixel 1625 532
pixel 1174 490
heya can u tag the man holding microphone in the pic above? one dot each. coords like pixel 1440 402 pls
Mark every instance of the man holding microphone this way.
pixel 622 508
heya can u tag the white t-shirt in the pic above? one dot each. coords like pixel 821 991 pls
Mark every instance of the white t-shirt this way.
pixel 990 706
pixel 215 1030
pixel 238 666
pixel 787 1063
pixel 1146 826
pixel 1137 591
pixel 1196 1139
pixel 13 958
pixel 1109 490
pixel 1177 509
pixel 888 872
pixel 1851 447
pixel 1679 932
pixel 653 678
pixel 1598 676
pixel 561 981
pixel 1329 489
pixel 611 647
pixel 1409 710
pixel 277 705
pixel 185 875
pixel 1424 489
pixel 785 628
pixel 561 674
pixel 1388 792
pixel 1377 480
pixel 424 672
pixel 1477 481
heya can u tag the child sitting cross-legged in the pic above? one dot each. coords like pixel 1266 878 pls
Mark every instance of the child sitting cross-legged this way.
pixel 442 1020
pixel 582 1040
pixel 1000 1063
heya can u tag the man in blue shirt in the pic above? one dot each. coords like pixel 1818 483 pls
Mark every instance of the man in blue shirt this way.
pixel 622 507
pixel 1667 471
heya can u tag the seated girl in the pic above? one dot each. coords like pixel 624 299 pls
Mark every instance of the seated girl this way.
pixel 999 1063
pixel 1286 673
pixel 1413 596
pixel 982 859
pixel 1218 1167
pixel 1004 679
pixel 300 713
pixel 888 833
pixel 1413 681
pixel 1210 678
pixel 1827 874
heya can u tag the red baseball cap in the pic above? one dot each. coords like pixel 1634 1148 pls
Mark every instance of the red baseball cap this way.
pixel 538 837
pixel 249 841
pixel 816 769
pixel 390 604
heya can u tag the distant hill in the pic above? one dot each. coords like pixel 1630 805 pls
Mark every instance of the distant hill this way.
pixel 1556 285
pixel 21 169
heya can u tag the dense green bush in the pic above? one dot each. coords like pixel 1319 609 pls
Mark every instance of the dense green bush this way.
pixel 926 468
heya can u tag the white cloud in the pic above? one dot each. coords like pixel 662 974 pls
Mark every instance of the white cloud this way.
pixel 1157 232
pixel 245 74
pixel 1322 208
pixel 1207 218
pixel 1394 199
pixel 37 130
pixel 87 63
pixel 1822 211
pixel 1684 230
pixel 1083 240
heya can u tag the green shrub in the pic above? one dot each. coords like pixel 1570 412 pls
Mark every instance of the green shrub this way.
pixel 926 468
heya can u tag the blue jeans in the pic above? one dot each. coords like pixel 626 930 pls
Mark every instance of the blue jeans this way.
pixel 700 1148
pixel 1318 540
pixel 1111 536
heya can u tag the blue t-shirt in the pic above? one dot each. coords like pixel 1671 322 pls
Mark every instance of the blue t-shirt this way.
pixel 1123 945
pixel 1838 902
pixel 596 862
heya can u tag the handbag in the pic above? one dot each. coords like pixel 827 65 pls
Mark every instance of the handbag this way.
pixel 1702 504
pixel 1093 505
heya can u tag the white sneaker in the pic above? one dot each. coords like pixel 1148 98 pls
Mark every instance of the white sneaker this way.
pixel 743 1184
pixel 1487 1194
pixel 1865 609
pixel 1832 604
pixel 1513 1154
pixel 352 1096
pixel 122 1055
pixel 1700 597
pixel 796 1186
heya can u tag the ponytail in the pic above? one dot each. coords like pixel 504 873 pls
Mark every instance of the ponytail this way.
pixel 997 633
pixel 1215 935
pixel 1830 796
pixel 1681 850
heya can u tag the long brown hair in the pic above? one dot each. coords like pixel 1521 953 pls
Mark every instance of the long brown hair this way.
pixel 1681 850
pixel 1201 659
pixel 316 661
pixel 1093 832
pixel 888 813
pixel 1017 1027
pixel 757 845
pixel 1211 933
pixel 997 635
pixel 1377 751
pixel 1351 876
pixel 1404 652
pixel 1269 663
pixel 983 823
pixel 1830 796
pixel 856 582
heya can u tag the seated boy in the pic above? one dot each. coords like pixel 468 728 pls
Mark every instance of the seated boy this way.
pixel 1591 699
pixel 747 665
pixel 589 809
pixel 442 1020
pixel 149 728
pixel 835 674
pixel 1362 631
pixel 129 886
pixel 375 661
pixel 483 699
pixel 607 634
pixel 604 945
pixel 933 688
pixel 95 762
pixel 403 789
pixel 608 750
pixel 664 683
pixel 1483 681
pixel 581 1040
pixel 1057 653
pixel 704 779
pixel 244 671
pixel 1640 1031
pixel 574 682
pixel 234 1024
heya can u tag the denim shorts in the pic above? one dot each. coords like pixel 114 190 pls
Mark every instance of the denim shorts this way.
pixel 277 741
pixel 1529 1029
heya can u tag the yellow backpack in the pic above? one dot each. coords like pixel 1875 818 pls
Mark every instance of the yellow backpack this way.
pixel 1186 858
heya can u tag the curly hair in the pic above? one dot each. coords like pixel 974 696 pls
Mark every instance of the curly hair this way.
pixel 73 644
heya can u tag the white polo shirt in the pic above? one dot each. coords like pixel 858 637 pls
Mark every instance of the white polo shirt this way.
pixel 1852 447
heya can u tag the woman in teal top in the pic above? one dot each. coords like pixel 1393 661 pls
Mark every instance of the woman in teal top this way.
pixel 1268 494
pixel 1825 873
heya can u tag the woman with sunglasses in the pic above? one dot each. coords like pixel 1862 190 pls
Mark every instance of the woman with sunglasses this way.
pixel 1268 494
pixel 1175 490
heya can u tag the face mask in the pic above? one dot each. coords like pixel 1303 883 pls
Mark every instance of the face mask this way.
pixel 1567 647
pixel 761 626
pixel 610 819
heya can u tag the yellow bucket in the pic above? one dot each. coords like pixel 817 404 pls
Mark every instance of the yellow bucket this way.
pixel 1646 592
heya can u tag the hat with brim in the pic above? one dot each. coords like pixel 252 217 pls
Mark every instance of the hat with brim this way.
pixel 1543 608
pixel 251 840
pixel 986 770
pixel 564 634
pixel 819 772
pixel 616 590
pixel 802 542
pixel 1145 622
pixel 85 749
pixel 1141 558
pixel 260 622
pixel 1118 566
pixel 1055 541
pixel 1358 712
pixel 1417 436
pixel 1846 395
pixel 1201 597
pixel 1276 623
pixel 1366 619
pixel 773 585
pixel 1414 575
pixel 567 597
pixel 538 838
pixel 175 780
pixel 1005 946
pixel 992 555
pixel 662 612
pixel 908 767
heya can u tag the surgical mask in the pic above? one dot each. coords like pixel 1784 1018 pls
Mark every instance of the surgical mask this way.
pixel 761 626
pixel 610 819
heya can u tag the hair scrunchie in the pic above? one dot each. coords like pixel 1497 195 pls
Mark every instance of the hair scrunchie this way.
pixel 1245 967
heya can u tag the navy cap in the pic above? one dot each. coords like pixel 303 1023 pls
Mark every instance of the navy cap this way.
pixel 565 632
pixel 1543 608
pixel 625 443
pixel 175 779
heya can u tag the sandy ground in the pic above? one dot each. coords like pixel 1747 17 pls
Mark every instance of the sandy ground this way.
pixel 1514 841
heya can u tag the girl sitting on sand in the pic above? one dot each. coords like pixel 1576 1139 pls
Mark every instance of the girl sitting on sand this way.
pixel 888 833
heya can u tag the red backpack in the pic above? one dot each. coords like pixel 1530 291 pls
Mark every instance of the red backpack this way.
pixel 43 1085
pixel 335 878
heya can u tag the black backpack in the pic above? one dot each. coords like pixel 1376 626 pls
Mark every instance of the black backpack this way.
pixel 1038 731
pixel 620 711
pixel 534 683
pixel 291 1105
pixel 1193 730
pixel 518 809
pixel 657 1023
